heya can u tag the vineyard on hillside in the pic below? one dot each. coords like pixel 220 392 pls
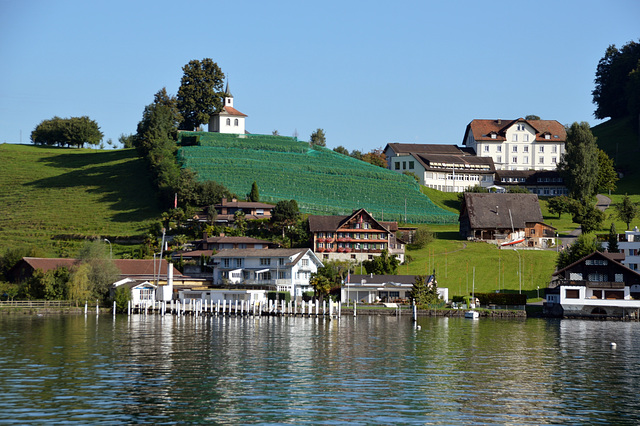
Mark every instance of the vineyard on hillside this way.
pixel 319 179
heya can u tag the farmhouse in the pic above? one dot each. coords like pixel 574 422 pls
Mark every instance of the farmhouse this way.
pixel 504 218
pixel 597 284
pixel 517 144
pixel 356 237
pixel 446 168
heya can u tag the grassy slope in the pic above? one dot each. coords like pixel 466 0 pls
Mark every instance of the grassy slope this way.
pixel 61 191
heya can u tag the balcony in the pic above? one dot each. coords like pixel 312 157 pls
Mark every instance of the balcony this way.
pixel 594 284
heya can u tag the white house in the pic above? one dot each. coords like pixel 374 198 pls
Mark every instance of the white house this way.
pixel 597 284
pixel 446 168
pixel 274 269
pixel 517 144
pixel 383 288
pixel 229 120
pixel 630 246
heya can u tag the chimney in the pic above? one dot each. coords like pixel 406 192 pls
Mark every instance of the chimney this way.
pixel 224 201
pixel 499 121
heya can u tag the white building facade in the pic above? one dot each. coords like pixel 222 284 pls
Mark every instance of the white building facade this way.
pixel 229 120
pixel 518 144
pixel 274 269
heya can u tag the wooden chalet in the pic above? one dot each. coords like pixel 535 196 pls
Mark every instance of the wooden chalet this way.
pixel 355 237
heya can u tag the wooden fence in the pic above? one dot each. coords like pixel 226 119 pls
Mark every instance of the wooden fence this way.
pixel 37 303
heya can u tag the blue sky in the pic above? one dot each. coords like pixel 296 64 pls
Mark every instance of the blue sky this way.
pixel 368 73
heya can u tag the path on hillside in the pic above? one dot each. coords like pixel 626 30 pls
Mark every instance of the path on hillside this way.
pixel 602 204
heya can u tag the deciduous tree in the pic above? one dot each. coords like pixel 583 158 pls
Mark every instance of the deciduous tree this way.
pixel 74 131
pixel 607 176
pixel 579 165
pixel 627 210
pixel 200 93
pixel 560 204
pixel 585 244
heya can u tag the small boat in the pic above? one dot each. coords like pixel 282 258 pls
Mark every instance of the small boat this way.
pixel 471 314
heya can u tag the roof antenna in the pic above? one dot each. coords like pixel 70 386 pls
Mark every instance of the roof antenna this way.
pixel 496 210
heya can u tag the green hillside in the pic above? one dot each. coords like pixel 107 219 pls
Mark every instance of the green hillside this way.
pixel 320 180
pixel 50 195
pixel 619 139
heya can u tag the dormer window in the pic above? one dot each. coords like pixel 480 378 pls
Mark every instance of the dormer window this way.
pixel 493 135
pixel 547 136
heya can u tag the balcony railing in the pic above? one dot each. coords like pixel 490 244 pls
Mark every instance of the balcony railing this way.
pixel 593 284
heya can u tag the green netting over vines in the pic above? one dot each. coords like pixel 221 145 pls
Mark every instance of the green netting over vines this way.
pixel 321 181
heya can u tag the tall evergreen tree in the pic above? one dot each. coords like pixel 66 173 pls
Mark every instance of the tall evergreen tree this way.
pixel 607 176
pixel 254 195
pixel 318 138
pixel 613 239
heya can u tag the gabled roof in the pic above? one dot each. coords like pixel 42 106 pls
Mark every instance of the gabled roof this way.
pixel 227 110
pixel 385 279
pixel 421 148
pixel 296 253
pixel 482 129
pixel 332 223
pixel 613 257
pixel 244 204
pixel 491 210
pixel 470 163
pixel 127 267
pixel 235 240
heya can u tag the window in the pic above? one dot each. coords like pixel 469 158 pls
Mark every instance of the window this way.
pixel 541 160
pixel 554 160
pixel 499 148
pixel 525 148
pixel 514 160
pixel 547 136
pixel 596 262
pixel 304 262
pixel 264 261
pixel 146 294
pixel 514 138
pixel 619 278
pixel 541 149
pixel 514 148
pixel 238 263
pixel 526 137
pixel 404 165
pixel 499 159
pixel 282 275
pixel 235 122
pixel 486 148
pixel 411 164
pixel 397 164
pixel 281 261
pixel 572 294
pixel 259 212
pixel 228 122
pixel 526 159
pixel 226 262
pixel 493 135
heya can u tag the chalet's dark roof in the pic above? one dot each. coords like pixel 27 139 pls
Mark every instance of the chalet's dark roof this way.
pixel 491 211
pixel 410 148
pixel 235 240
pixel 458 163
pixel 482 130
pixel 244 204
pixel 332 223
pixel 614 257
pixel 385 279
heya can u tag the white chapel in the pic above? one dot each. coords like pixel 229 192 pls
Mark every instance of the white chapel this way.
pixel 229 120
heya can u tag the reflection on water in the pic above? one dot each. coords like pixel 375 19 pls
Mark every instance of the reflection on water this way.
pixel 147 369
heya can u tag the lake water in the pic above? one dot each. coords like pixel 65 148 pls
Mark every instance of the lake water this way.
pixel 368 370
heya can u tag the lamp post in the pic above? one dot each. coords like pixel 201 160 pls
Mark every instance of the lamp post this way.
pixel 110 250
pixel 519 271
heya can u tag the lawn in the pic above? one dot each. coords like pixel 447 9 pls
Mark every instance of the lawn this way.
pixel 52 196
